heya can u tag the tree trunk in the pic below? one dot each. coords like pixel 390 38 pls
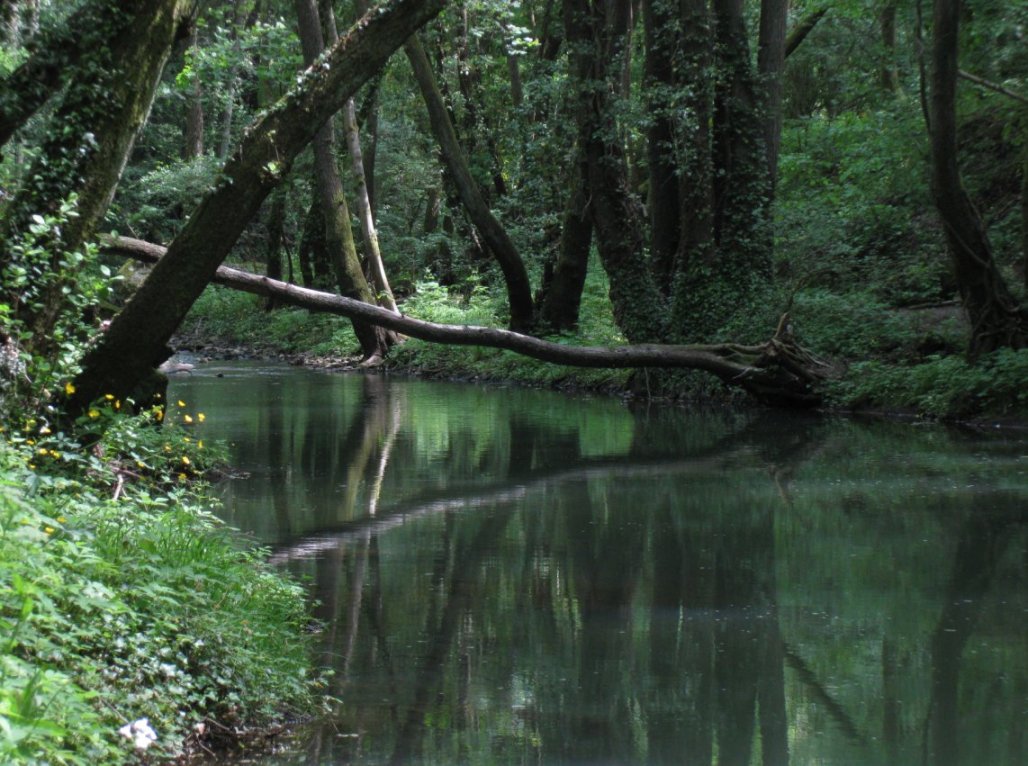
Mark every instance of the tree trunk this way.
pixel 273 251
pixel 996 319
pixel 661 37
pixel 519 291
pixel 803 28
pixel 887 24
pixel 562 299
pixel 770 62
pixel 696 252
pixel 338 231
pixel 315 263
pixel 777 372
pixel 597 33
pixel 137 337
pixel 730 282
pixel 87 34
pixel 367 221
pixel 193 138
pixel 105 103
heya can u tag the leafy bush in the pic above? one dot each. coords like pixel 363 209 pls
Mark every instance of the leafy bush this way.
pixel 943 387
pixel 122 597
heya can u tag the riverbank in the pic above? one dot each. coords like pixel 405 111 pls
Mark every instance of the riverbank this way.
pixel 134 621
pixel 907 362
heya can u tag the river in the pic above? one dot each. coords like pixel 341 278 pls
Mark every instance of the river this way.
pixel 514 576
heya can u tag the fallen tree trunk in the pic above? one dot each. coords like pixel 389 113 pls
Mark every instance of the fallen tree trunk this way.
pixel 778 372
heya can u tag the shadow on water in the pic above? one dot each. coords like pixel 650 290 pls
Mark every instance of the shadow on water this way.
pixel 511 576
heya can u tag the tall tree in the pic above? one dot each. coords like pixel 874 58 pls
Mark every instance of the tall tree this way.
pixel 519 290
pixel 352 283
pixel 137 337
pixel 996 318
pixel 89 138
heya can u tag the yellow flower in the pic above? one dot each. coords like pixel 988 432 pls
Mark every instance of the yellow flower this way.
pixel 199 444
pixel 140 464
pixel 181 403
pixel 44 430
pixel 94 414
pixel 187 418
pixel 109 397
pixel 32 466
pixel 182 477
pixel 55 454
pixel 185 460
pixel 49 530
pixel 69 388
pixel 201 417
pixel 117 404
pixel 41 451
pixel 61 519
pixel 159 415
pixel 30 442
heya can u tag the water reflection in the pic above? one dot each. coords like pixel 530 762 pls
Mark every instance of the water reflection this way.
pixel 512 576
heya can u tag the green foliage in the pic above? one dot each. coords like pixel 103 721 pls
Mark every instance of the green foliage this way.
pixel 853 209
pixel 122 597
pixel 227 316
pixel 859 325
pixel 40 278
pixel 943 387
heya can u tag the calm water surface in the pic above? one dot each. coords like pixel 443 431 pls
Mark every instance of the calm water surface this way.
pixel 511 576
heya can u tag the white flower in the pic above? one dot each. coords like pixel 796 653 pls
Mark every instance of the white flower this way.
pixel 140 733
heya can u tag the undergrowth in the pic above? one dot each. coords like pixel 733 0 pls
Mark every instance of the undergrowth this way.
pixel 123 598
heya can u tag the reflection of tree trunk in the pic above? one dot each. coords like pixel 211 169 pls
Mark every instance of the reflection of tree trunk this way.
pixel 606 554
pixel 983 539
pixel 890 700
pixel 356 594
pixel 748 662
pixel 383 461
pixel 681 644
pixel 458 599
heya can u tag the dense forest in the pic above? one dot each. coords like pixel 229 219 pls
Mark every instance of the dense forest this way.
pixel 816 203
pixel 599 174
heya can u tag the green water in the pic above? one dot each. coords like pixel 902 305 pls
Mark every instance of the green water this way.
pixel 511 576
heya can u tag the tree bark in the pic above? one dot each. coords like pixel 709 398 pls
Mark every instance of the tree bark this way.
pixel 136 339
pixel 661 39
pixel 696 252
pixel 887 25
pixel 596 36
pixel 770 62
pixel 273 251
pixel 562 299
pixel 105 104
pixel 776 372
pixel 193 135
pixel 519 291
pixel 367 220
pixel 997 320
pixel 803 28
pixel 54 58
pixel 338 230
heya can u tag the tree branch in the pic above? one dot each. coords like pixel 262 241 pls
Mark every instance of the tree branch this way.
pixel 992 86
pixel 776 372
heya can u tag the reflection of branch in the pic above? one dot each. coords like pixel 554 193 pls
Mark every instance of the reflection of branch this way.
pixel 834 708
pixel 318 542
